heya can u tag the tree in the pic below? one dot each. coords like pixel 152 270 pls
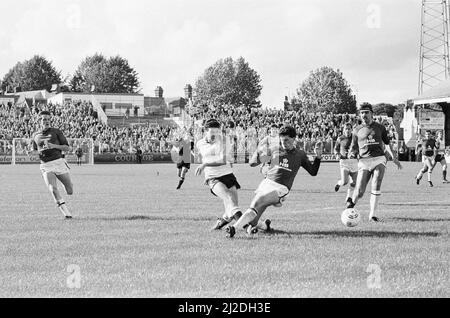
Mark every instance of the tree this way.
pixel 384 109
pixel 293 104
pixel 98 74
pixel 394 111
pixel 88 73
pixel 34 74
pixel 397 117
pixel 229 82
pixel 326 90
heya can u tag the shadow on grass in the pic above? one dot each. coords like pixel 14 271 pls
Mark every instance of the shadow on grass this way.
pixel 149 218
pixel 379 234
pixel 419 220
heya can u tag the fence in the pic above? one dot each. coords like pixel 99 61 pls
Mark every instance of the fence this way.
pixel 19 151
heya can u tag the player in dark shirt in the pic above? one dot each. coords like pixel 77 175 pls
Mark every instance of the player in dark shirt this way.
pixel 50 143
pixel 181 153
pixel 440 157
pixel 429 153
pixel 370 140
pixel 138 155
pixel 79 154
pixel 285 161
pixel 348 167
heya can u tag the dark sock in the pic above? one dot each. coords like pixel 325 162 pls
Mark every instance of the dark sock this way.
pixel 444 174
pixel 237 215
pixel 350 204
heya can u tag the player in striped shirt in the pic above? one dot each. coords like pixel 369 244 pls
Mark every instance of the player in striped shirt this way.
pixel 216 155
pixel 285 161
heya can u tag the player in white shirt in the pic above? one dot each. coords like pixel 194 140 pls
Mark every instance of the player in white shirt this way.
pixel 215 152
pixel 268 142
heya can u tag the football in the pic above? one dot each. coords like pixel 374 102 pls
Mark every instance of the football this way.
pixel 350 217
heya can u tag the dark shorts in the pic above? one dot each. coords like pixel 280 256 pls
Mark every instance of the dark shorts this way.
pixel 439 158
pixel 228 180
pixel 183 164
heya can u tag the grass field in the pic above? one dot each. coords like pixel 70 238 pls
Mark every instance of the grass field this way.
pixel 134 235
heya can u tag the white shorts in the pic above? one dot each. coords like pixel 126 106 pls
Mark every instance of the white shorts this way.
pixel 427 158
pixel 370 164
pixel 349 164
pixel 267 186
pixel 58 167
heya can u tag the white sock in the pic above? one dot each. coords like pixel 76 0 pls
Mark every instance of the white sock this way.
pixel 355 197
pixel 420 175
pixel 374 199
pixel 63 208
pixel 429 176
pixel 245 219
pixel 349 193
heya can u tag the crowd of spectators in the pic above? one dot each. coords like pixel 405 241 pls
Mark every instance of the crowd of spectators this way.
pixel 246 125
pixel 312 128
pixel 79 120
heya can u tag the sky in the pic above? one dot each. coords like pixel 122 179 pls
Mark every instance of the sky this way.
pixel 170 43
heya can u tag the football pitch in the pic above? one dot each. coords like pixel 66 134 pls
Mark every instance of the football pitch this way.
pixel 134 235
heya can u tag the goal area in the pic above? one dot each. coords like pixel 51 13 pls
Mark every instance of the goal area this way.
pixel 21 148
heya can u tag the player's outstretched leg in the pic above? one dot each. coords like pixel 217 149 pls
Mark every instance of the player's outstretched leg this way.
pixel 361 183
pixel 242 222
pixel 265 226
pixel 250 218
pixel 377 179
pixel 182 174
pixel 444 171
pixel 343 181
pixel 430 170
pixel 66 180
pixel 230 201
pixel 179 176
pixel 52 186
pixel 351 187
pixel 421 173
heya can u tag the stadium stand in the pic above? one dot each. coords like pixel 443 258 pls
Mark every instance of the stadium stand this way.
pixel 80 120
